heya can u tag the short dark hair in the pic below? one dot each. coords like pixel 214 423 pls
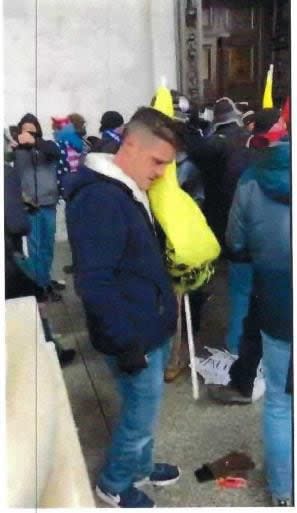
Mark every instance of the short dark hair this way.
pixel 157 123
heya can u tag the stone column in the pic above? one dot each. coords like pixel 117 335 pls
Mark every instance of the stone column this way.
pixel 199 37
pixel 190 48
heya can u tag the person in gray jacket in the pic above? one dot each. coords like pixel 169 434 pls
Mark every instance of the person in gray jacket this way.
pixel 36 162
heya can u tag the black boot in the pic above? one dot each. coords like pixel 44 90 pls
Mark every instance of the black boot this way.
pixel 68 269
pixel 48 334
pixel 58 284
pixel 65 356
pixel 53 295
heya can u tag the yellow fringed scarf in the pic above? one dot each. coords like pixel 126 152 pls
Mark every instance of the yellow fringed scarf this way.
pixel 191 246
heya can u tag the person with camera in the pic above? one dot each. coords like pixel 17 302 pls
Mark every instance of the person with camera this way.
pixel 35 161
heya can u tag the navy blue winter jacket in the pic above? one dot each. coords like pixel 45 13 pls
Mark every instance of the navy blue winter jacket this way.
pixel 119 271
pixel 260 222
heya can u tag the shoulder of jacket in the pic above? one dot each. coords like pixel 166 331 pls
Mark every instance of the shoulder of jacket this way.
pixel 248 181
pixel 248 175
pixel 107 190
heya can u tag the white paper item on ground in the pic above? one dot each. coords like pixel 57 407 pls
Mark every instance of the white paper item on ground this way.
pixel 215 370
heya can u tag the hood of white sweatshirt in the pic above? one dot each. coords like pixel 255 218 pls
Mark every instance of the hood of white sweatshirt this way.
pixel 103 163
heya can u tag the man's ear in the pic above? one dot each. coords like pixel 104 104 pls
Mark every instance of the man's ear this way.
pixel 131 143
pixel 130 139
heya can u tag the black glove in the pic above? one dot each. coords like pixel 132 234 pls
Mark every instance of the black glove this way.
pixel 31 209
pixel 132 361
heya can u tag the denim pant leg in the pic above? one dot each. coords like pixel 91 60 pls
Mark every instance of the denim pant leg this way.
pixel 240 287
pixel 34 247
pixel 41 242
pixel 277 418
pixel 244 370
pixel 131 453
pixel 49 232
pixel 146 464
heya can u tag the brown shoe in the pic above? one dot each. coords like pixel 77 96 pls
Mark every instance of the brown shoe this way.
pixel 172 373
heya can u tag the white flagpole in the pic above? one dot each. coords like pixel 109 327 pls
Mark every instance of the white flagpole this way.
pixel 195 382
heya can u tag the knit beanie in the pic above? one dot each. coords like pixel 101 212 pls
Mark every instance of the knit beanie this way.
pixel 265 119
pixel 111 120
pixel 269 128
pixel 58 123
pixel 225 112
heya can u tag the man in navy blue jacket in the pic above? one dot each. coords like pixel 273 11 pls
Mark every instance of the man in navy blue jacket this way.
pixel 127 294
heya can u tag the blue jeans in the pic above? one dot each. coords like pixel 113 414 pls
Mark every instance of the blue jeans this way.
pixel 239 287
pixel 41 242
pixel 277 419
pixel 130 456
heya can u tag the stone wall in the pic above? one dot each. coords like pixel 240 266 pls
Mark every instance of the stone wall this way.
pixel 85 56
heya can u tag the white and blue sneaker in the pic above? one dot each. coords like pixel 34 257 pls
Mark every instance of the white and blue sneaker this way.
pixel 129 498
pixel 162 475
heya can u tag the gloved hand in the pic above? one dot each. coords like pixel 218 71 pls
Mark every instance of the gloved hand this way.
pixel 132 361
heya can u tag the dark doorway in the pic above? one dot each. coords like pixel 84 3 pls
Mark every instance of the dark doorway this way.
pixel 235 44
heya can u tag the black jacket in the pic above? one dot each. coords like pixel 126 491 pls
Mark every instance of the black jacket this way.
pixel 222 157
pixel 16 221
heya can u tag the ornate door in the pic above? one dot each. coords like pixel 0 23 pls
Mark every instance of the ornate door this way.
pixel 233 40
pixel 228 43
pixel 281 50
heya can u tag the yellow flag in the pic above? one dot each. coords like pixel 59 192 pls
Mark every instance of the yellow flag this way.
pixel 164 102
pixel 267 96
pixel 191 246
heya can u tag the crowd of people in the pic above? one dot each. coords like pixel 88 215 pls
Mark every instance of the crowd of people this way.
pixel 237 169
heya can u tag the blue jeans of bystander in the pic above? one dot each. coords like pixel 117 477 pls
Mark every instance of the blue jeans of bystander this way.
pixel 277 418
pixel 41 242
pixel 240 279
